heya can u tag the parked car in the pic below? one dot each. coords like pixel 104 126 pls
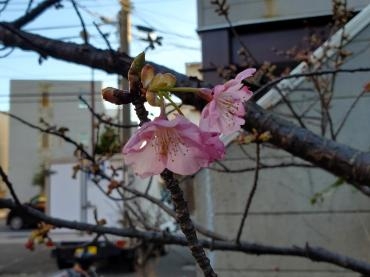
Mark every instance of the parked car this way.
pixel 17 219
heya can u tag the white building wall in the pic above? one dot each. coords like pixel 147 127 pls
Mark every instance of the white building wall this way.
pixel 26 152
pixel 4 139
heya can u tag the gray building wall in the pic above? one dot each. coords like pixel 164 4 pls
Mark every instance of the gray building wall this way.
pixel 28 148
pixel 4 139
pixel 282 213
pixel 243 12
pixel 267 28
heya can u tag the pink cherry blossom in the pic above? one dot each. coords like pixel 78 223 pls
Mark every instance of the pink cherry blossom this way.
pixel 224 113
pixel 178 145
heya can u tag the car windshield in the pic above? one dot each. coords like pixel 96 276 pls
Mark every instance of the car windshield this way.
pixel 38 201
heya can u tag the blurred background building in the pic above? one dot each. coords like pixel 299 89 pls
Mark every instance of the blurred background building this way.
pixel 54 105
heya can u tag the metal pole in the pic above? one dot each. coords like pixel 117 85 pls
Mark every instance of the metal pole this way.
pixel 92 93
pixel 124 31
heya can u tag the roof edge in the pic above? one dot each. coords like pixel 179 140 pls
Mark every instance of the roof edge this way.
pixel 351 29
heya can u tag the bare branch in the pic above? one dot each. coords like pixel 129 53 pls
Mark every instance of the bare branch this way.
pixel 10 186
pixel 34 13
pixel 102 120
pixel 341 160
pixel 181 208
pixel 225 169
pixel 251 194
pixel 348 113
pixel 316 254
pixel 85 35
pixel 270 84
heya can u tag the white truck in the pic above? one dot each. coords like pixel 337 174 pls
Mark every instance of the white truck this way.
pixel 76 199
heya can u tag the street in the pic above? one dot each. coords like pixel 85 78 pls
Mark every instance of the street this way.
pixel 17 261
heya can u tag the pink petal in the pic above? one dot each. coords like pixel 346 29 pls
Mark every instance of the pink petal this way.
pixel 245 74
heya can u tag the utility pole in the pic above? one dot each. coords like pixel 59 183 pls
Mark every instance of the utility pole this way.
pixel 125 33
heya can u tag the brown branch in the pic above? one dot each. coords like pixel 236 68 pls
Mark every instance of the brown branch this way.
pixel 341 160
pixel 181 208
pixel 316 254
pixel 90 56
pixel 186 225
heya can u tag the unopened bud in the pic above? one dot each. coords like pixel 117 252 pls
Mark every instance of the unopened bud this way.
pixel 116 96
pixel 112 185
pixel 367 87
pixel 102 221
pixel 265 136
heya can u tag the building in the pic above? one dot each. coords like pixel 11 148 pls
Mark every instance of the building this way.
pixel 293 205
pixel 267 28
pixel 50 104
pixel 4 123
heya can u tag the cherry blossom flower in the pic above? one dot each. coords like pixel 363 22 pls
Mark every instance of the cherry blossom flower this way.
pixel 224 113
pixel 177 145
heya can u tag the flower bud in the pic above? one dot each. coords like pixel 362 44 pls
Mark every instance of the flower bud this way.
pixel 116 96
pixel 161 81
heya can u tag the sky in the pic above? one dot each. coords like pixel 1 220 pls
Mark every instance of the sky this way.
pixel 181 43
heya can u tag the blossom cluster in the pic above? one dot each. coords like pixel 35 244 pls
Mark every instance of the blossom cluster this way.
pixel 180 145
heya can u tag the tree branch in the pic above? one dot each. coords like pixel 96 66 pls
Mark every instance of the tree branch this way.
pixel 110 62
pixel 316 254
pixel 341 160
pixel 34 13
pixel 251 194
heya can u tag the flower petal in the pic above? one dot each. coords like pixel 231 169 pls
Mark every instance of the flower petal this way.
pixel 147 75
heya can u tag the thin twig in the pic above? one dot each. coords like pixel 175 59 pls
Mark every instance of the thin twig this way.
pixel 102 120
pixel 52 132
pixel 348 113
pixel 261 166
pixel 251 194
pixel 308 74
pixel 85 35
pixel 104 37
pixel 31 15
pixel 4 176
pixel 291 108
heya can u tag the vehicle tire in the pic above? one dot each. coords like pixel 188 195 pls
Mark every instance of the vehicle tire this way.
pixel 62 264
pixel 16 223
